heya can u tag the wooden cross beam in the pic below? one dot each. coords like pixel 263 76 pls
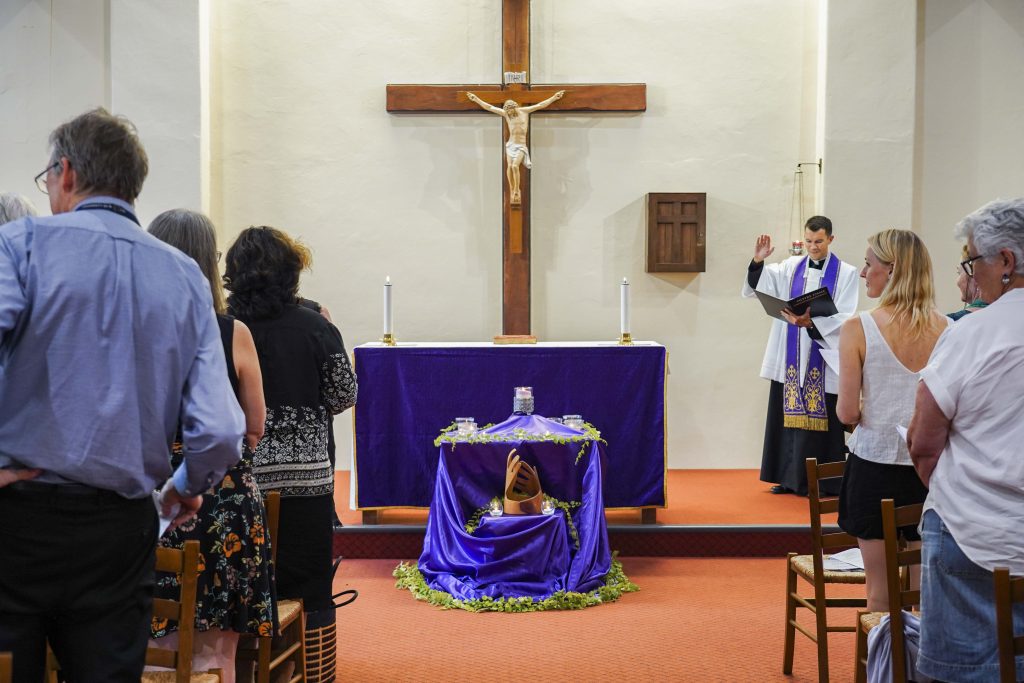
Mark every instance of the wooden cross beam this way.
pixel 515 58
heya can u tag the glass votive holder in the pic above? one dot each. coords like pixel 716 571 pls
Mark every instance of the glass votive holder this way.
pixel 547 507
pixel 573 421
pixel 494 509
pixel 522 402
pixel 465 425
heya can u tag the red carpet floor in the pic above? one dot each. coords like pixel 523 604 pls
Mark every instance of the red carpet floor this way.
pixel 692 620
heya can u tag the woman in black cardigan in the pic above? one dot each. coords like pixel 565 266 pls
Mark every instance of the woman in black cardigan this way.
pixel 307 379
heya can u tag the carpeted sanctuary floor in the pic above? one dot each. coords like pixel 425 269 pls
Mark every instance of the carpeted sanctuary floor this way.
pixel 693 620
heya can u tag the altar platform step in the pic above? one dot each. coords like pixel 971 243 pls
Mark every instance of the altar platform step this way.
pixel 710 513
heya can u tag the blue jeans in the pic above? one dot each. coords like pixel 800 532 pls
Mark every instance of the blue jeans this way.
pixel 958 615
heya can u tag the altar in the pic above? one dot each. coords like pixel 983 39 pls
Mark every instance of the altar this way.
pixel 409 392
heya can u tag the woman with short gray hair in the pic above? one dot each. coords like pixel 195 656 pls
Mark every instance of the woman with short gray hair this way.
pixel 965 441
pixel 14 206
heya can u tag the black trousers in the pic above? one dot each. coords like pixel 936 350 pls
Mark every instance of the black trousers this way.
pixel 304 548
pixel 786 450
pixel 76 569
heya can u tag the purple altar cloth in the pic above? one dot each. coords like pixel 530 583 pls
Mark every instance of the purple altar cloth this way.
pixel 516 555
pixel 407 393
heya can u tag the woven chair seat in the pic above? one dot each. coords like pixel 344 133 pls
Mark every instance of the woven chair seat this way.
pixel 869 620
pixel 804 565
pixel 171 677
pixel 287 610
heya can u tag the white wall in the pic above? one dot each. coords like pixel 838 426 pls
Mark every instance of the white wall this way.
pixel 970 118
pixel 142 60
pixel 300 139
pixel 54 64
pixel 868 118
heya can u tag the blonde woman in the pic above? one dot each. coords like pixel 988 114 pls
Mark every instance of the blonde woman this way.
pixel 881 353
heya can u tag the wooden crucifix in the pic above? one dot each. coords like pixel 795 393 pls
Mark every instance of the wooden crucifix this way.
pixel 515 86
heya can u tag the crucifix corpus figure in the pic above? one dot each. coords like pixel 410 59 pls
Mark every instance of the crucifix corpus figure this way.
pixel 516 151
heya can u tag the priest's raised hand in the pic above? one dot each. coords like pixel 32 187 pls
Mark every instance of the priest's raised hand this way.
pixel 763 248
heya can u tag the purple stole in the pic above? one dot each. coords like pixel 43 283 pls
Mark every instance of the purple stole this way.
pixel 804 407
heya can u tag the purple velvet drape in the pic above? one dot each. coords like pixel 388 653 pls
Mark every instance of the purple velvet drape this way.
pixel 407 394
pixel 520 555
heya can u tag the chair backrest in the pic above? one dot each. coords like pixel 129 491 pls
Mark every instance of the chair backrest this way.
pixel 272 504
pixel 184 563
pixel 901 593
pixel 1009 590
pixel 5 667
pixel 819 506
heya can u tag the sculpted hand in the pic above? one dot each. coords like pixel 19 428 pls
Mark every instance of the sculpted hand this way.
pixel 798 320
pixel 763 248
pixel 559 95
pixel 473 98
pixel 174 504
pixel 11 476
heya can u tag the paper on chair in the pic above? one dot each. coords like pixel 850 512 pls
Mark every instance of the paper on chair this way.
pixel 846 561
pixel 831 358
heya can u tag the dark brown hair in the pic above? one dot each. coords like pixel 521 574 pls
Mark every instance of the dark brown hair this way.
pixel 262 272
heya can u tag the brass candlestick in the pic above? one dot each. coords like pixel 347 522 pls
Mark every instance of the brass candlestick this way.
pixel 389 340
pixel 625 339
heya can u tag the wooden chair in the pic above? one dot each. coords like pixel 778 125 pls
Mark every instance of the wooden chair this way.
pixel 810 569
pixel 5 667
pixel 185 563
pixel 902 595
pixel 1009 590
pixel 290 617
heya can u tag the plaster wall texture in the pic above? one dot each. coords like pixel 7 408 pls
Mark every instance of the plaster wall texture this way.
pixel 869 118
pixel 156 71
pixel 302 141
pixel 970 118
pixel 54 64
pixel 142 60
pixel 298 138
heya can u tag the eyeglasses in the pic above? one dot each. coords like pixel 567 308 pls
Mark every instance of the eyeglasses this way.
pixel 40 179
pixel 968 264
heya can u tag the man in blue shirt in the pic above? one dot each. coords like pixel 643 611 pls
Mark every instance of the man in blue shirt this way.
pixel 108 343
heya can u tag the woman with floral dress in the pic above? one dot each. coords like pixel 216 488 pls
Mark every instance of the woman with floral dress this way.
pixel 235 591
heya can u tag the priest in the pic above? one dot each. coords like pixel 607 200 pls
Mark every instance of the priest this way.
pixel 802 420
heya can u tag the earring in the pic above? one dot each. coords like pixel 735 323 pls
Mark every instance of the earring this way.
pixel 1006 279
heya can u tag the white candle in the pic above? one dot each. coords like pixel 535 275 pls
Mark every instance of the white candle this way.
pixel 624 306
pixel 388 320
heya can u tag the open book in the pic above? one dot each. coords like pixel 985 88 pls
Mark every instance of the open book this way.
pixel 819 300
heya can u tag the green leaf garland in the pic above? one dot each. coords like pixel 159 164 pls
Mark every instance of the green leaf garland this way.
pixel 451 436
pixel 408 577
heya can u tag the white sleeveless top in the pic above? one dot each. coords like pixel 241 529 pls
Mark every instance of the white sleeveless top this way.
pixel 888 390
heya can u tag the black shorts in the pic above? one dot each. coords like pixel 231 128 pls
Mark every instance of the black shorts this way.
pixel 865 485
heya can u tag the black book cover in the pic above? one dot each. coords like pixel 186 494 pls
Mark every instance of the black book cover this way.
pixel 819 300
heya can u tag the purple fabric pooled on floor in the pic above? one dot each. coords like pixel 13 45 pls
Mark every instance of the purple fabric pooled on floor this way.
pixel 520 555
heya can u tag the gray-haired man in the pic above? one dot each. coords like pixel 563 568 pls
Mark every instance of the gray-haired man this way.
pixel 108 342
